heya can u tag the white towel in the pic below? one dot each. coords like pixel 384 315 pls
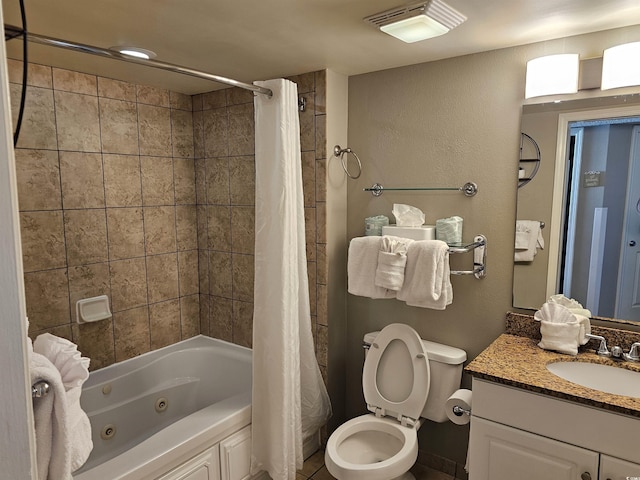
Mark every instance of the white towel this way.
pixel 50 422
pixel 392 259
pixel 362 263
pixel 427 281
pixel 561 330
pixel 74 371
pixel 528 240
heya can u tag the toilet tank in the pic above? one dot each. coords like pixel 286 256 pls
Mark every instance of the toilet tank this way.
pixel 445 365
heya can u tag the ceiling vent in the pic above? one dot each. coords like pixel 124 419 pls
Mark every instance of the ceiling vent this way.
pixel 435 9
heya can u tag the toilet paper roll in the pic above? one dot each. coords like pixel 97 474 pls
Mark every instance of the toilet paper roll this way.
pixel 460 398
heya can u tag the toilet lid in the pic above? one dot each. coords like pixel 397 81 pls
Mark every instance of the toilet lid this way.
pixel 396 373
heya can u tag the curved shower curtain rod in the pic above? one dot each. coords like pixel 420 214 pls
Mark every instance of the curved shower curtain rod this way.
pixel 13 32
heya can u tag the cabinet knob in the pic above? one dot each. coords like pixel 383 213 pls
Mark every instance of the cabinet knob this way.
pixel 585 476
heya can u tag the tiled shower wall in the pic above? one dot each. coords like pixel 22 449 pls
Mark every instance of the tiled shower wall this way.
pixel 106 186
pixel 108 206
pixel 225 172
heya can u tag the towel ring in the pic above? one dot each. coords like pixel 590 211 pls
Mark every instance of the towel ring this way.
pixel 339 152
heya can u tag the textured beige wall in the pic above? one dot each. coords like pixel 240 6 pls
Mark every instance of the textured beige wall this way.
pixel 442 124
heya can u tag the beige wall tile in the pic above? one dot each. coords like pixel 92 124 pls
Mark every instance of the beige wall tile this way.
pixel 116 89
pixel 184 180
pixel 196 100
pixel 62 331
pixel 243 229
pixel 131 331
pixel 153 95
pixel 164 322
pixel 323 316
pixel 88 281
pixel 126 233
pixel 186 227
pixel 190 322
pixel 154 125
pixel 219 228
pixel 47 298
pixel 217 178
pixel 203 271
pixel 188 272
pixel 310 232
pixel 86 236
pixel 321 180
pixel 243 323
pixel 96 341
pixel 311 278
pixel 160 230
pixel 215 99
pixel 119 126
pixel 182 133
pixel 82 180
pixel 323 264
pixel 157 181
pixel 122 180
pixel 220 274
pixel 243 276
pixel 221 320
pixel 38 175
pixel 201 181
pixel 203 219
pixel 309 178
pixel 242 180
pixel 241 130
pixel 322 345
pixel 75 82
pixel 43 244
pixel 307 130
pixel 198 134
pixel 38 128
pixel 78 122
pixel 162 277
pixel 321 136
pixel 237 96
pixel 321 222
pixel 321 92
pixel 216 132
pixel 128 284
pixel 204 314
pixel 180 101
pixel 37 76
pixel 305 82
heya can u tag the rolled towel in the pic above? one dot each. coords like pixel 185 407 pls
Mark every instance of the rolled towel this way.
pixel 573 305
pixel 392 259
pixel 427 275
pixel 561 330
pixel 362 263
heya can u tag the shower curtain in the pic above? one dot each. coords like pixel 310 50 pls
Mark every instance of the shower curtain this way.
pixel 289 401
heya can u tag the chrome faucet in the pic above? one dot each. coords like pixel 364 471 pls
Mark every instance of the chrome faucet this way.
pixel 633 355
pixel 602 348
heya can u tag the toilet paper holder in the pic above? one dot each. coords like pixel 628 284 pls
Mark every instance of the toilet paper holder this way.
pixel 458 411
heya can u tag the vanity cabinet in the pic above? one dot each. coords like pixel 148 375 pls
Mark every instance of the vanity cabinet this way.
pixel 516 434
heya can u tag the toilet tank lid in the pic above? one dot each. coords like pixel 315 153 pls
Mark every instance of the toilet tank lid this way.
pixel 435 351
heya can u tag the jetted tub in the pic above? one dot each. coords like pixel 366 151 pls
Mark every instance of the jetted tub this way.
pixel 154 412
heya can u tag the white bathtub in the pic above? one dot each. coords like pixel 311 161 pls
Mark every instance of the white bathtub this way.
pixel 164 407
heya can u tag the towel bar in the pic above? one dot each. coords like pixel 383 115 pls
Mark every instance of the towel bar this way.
pixel 39 389
pixel 479 248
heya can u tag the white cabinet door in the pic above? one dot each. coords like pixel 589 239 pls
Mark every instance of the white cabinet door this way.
pixel 205 466
pixel 616 469
pixel 503 453
pixel 235 455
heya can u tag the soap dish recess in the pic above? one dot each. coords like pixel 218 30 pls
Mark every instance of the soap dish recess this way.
pixel 92 309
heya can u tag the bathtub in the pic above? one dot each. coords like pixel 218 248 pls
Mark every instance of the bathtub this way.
pixel 154 412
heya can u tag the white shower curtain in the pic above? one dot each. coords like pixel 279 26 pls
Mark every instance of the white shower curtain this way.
pixel 289 400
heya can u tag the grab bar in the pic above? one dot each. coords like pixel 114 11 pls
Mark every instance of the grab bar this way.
pixel 40 389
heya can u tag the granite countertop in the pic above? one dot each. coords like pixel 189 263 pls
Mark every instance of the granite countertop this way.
pixel 514 359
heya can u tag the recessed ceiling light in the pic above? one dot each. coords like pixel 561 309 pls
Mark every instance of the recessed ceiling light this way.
pixel 135 52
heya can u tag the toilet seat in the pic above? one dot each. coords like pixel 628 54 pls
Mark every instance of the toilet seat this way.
pixel 400 392
pixel 358 458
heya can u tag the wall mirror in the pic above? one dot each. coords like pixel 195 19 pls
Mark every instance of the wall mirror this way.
pixel 586 193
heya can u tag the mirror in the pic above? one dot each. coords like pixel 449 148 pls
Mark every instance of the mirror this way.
pixel 586 192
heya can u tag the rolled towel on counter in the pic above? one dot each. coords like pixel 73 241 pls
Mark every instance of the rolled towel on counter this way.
pixel 392 259
pixel 561 330
pixel 362 263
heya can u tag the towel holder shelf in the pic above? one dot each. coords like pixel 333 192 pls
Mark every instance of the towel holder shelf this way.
pixel 40 389
pixel 479 248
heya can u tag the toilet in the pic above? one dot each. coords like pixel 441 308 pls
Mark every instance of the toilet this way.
pixel 405 379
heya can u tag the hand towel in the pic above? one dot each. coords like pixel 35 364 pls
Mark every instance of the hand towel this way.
pixel 74 371
pixel 427 281
pixel 392 259
pixel 528 240
pixel 561 330
pixel 362 263
pixel 50 422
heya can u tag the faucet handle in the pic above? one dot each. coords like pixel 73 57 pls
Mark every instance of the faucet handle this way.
pixel 602 348
pixel 633 355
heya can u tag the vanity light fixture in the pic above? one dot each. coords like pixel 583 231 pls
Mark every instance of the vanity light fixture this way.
pixel 620 66
pixel 552 75
pixel 135 52
pixel 417 21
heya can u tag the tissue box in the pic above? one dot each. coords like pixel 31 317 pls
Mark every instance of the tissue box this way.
pixel 449 230
pixel 423 232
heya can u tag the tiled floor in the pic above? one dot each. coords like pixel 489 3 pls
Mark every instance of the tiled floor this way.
pixel 315 469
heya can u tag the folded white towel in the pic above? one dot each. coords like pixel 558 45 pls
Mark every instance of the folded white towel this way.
pixel 392 259
pixel 427 281
pixel 528 240
pixel 74 371
pixel 50 422
pixel 561 329
pixel 362 263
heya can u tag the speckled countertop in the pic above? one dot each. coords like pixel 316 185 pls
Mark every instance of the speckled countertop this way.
pixel 515 359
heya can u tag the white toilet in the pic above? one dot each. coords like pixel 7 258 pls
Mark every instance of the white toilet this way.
pixel 404 379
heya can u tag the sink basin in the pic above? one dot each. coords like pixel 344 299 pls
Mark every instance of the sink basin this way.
pixel 605 378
